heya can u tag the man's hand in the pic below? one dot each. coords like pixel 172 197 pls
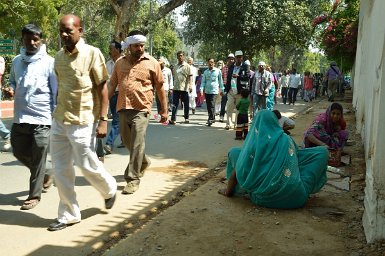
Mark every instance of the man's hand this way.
pixel 101 130
pixel 163 116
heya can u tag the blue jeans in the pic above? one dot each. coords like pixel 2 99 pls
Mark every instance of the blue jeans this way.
pixel 4 132
pixel 114 132
pixel 176 95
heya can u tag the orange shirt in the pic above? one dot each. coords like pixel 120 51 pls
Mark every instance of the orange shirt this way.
pixel 136 82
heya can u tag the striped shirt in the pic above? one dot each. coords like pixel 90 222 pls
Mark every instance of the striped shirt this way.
pixel 137 82
pixel 78 75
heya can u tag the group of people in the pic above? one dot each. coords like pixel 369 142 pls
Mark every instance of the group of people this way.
pixel 273 171
pixel 61 103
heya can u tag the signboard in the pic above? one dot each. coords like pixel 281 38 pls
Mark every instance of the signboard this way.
pixel 6 46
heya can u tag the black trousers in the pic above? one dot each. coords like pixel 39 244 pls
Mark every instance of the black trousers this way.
pixel 292 95
pixel 30 146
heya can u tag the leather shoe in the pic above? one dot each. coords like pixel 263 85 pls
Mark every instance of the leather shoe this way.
pixel 110 201
pixel 57 225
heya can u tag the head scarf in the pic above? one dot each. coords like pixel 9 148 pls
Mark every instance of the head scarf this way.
pixel 135 39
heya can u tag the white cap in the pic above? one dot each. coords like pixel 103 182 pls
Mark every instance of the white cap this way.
pixel 239 53
pixel 230 55
pixel 261 63
pixel 247 62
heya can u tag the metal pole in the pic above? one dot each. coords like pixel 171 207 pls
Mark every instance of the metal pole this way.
pixel 150 27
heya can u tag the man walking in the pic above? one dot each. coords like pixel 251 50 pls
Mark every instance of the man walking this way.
pixel 237 79
pixel 211 85
pixel 137 74
pixel 115 50
pixel 294 83
pixel 34 88
pixel 182 87
pixel 333 76
pixel 225 70
pixel 168 84
pixel 262 83
pixel 82 101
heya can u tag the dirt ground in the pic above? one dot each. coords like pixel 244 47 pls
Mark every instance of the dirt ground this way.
pixel 199 221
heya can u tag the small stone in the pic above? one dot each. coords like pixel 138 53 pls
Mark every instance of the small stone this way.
pixel 250 247
pixel 277 223
pixel 176 243
pixel 192 211
pixel 159 247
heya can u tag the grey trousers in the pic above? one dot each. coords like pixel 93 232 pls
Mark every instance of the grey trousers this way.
pixel 30 146
pixel 133 126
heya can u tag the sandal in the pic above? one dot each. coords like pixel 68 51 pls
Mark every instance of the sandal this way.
pixel 48 180
pixel 29 204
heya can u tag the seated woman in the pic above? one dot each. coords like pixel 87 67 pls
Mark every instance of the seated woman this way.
pixel 328 129
pixel 271 168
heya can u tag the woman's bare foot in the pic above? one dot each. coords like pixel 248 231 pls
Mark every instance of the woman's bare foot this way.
pixel 223 191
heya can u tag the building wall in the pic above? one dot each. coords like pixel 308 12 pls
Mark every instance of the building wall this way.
pixel 369 100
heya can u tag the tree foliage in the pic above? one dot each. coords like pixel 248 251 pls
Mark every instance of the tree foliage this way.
pixel 338 32
pixel 251 25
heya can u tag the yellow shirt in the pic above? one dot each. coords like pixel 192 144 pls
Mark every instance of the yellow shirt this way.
pixel 78 75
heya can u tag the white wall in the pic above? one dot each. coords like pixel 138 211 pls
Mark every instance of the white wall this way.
pixel 369 102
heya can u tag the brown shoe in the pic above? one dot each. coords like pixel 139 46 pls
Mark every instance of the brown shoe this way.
pixel 29 204
pixel 130 188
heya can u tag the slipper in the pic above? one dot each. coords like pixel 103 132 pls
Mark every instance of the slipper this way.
pixel 29 204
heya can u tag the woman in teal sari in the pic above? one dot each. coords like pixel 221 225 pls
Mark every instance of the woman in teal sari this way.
pixel 271 168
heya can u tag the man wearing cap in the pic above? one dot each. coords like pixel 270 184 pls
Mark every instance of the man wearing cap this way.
pixel 261 85
pixel 137 74
pixel 225 70
pixel 237 79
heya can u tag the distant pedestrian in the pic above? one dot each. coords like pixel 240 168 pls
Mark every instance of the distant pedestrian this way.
pixel 193 94
pixel 182 87
pixel 238 78
pixel 333 77
pixel 168 85
pixel 260 88
pixel 34 87
pixel 284 84
pixel 115 51
pixel 225 70
pixel 82 101
pixel 211 85
pixel 308 87
pixel 243 116
pixel 200 95
pixel 294 83
pixel 138 75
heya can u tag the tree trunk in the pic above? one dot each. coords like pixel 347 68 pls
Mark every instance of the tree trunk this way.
pixel 123 9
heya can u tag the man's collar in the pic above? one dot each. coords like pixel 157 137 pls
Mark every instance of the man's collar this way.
pixel 78 47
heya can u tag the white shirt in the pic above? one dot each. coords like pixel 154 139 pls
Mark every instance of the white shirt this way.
pixel 168 80
pixel 294 80
pixel 285 120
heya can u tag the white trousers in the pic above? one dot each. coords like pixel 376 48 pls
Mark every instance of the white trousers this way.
pixel 231 110
pixel 192 101
pixel 76 144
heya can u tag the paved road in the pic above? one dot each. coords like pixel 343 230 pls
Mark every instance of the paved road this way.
pixel 179 153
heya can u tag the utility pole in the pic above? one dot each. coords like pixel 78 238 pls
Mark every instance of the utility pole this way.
pixel 150 27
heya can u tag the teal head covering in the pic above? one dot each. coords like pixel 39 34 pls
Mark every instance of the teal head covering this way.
pixel 268 168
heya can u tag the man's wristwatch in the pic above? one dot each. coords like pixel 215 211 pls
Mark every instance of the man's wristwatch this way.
pixel 103 118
